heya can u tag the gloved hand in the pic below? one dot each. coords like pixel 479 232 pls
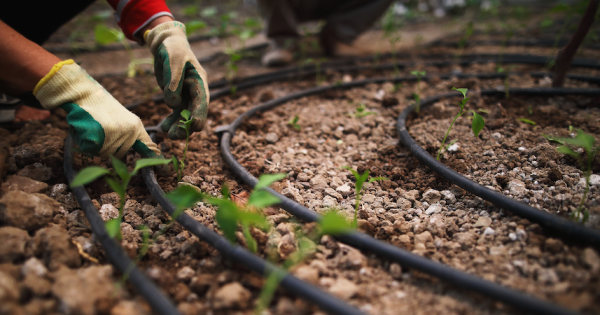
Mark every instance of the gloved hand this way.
pixel 179 75
pixel 98 123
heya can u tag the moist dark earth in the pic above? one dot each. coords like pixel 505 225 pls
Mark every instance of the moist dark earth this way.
pixel 50 262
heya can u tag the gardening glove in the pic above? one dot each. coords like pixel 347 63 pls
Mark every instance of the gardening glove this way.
pixel 179 75
pixel 98 123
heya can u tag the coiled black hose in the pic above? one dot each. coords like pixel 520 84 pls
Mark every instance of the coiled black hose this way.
pixel 364 242
pixel 242 256
pixel 115 254
pixel 559 226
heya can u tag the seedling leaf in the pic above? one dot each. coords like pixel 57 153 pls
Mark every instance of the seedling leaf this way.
pixel 251 218
pixel 105 35
pixel 115 186
pixel 332 223
pixel 113 227
pixel 477 124
pixel 527 121
pixel 226 217
pixel 463 91
pixel 553 139
pixel 120 168
pixel 141 163
pixel 261 199
pixel 186 114
pixel 265 180
pixel 88 175
pixel 568 151
pixel 185 196
pixel 374 179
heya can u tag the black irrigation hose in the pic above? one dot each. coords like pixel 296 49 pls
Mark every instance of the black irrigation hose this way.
pixel 529 42
pixel 115 254
pixel 364 242
pixel 242 256
pixel 557 225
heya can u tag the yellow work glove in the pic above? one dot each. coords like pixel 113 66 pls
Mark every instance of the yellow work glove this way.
pixel 98 123
pixel 179 75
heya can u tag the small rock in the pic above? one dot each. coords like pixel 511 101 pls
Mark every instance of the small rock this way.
pixel 432 196
pixel 231 295
pixel 329 202
pixel 286 245
pixel 465 239
pixel 368 198
pixel 14 244
pixel 555 174
pixel 125 307
pixel 517 188
pixel 403 203
pixel 28 185
pixel 396 271
pixel 108 211
pixel 343 288
pixel 412 195
pixel 594 180
pixel 590 259
pixel 25 156
pixel 9 288
pixel 111 198
pixel 271 137
pixel 489 231
pixel 496 135
pixel 308 274
pixel 344 189
pixel 453 148
pixel 498 251
pixel 185 274
pixel 37 285
pixel 57 190
pixel 448 196
pixel 318 182
pixel 353 259
pixel 547 276
pixel 34 266
pixel 483 222
pixel 423 238
pixel 553 245
pixel 54 245
pixel 27 211
pixel 434 208
pixel 36 171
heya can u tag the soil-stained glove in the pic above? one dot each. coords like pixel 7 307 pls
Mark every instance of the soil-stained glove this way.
pixel 98 123
pixel 179 75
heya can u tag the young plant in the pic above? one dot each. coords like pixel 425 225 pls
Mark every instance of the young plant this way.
pixel 179 165
pixel 586 142
pixel 293 122
pixel 477 124
pixel 463 40
pixel 527 121
pixel 118 180
pixel 417 96
pixel 506 77
pixel 106 35
pixel 361 111
pixel 331 223
pixel 360 182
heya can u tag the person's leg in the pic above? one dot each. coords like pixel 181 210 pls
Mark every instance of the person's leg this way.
pixel 280 29
pixel 346 20
pixel 36 20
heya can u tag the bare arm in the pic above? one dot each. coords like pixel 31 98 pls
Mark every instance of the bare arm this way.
pixel 23 63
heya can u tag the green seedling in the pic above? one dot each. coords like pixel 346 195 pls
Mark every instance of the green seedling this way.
pixel 179 165
pixel 417 96
pixel 194 26
pixel 527 121
pixel 293 122
pixel 118 180
pixel 331 223
pixel 506 77
pixel 476 125
pixel 530 110
pixel 586 142
pixel 361 111
pixel 360 182
pixel 106 35
pixel 391 25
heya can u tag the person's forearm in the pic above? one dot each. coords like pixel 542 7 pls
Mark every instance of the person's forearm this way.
pixel 23 63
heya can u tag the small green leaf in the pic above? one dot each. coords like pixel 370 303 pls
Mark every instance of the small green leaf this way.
pixel 261 199
pixel 185 196
pixel 115 186
pixel 568 151
pixel 463 91
pixel 265 180
pixel 225 191
pixel 378 178
pixel 227 217
pixel 193 26
pixel 120 168
pixel 105 35
pixel 208 12
pixel 190 11
pixel 186 114
pixel 88 175
pixel 354 173
pixel 332 223
pixel 141 163
pixel 113 227
pixel 175 164
pixel 251 218
pixel 553 139
pixel 477 124
pixel 527 121
pixel 360 180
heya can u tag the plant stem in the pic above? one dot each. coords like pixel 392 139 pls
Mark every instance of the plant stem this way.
pixel 448 132
pixel 418 93
pixel 356 204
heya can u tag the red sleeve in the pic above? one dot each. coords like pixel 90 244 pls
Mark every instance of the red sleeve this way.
pixel 133 15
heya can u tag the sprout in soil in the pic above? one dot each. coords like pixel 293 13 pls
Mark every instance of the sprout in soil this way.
pixel 463 40
pixel 585 142
pixel 527 121
pixel 179 165
pixel 118 180
pixel 360 182
pixel 477 124
pixel 107 35
pixel 293 122
pixel 361 111
pixel 417 95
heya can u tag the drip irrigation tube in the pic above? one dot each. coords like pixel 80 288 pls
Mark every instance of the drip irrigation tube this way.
pixel 115 254
pixel 557 225
pixel 242 256
pixel 364 242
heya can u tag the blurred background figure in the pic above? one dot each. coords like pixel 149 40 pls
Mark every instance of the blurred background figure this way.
pixel 345 21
